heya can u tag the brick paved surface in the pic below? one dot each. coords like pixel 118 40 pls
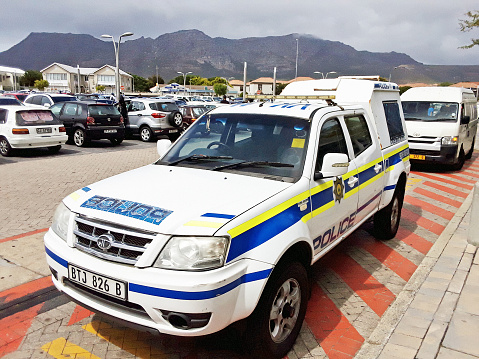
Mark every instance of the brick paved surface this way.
pixel 359 286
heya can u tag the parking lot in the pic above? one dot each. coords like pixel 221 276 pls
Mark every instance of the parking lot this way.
pixel 354 284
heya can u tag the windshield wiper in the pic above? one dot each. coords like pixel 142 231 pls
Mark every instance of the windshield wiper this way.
pixel 253 164
pixel 198 157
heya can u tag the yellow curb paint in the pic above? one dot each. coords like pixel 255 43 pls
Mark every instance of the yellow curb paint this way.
pixel 63 349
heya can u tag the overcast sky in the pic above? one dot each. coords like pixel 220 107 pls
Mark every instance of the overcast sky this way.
pixel 426 30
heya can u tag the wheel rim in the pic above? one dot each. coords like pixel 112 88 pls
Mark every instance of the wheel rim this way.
pixel 145 134
pixel 395 213
pixel 178 119
pixel 285 310
pixel 79 138
pixel 3 147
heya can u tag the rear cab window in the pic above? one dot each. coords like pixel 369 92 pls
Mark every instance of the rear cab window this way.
pixel 393 121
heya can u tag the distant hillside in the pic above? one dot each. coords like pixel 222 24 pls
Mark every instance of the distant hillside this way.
pixel 192 50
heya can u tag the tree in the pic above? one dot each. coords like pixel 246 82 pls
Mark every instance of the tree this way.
pixel 220 89
pixel 468 25
pixel 403 89
pixel 29 77
pixel 100 88
pixel 280 88
pixel 41 84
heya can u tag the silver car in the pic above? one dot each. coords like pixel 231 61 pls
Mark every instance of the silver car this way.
pixel 153 117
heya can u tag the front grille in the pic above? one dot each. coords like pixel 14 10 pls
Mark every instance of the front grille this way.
pixel 424 152
pixel 125 245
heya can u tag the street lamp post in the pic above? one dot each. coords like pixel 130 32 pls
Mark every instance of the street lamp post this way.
pixel 116 46
pixel 331 72
pixel 319 72
pixel 297 53
pixel 184 79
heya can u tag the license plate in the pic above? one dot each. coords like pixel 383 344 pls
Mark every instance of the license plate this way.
pixel 44 130
pixel 417 157
pixel 173 131
pixel 109 131
pixel 97 282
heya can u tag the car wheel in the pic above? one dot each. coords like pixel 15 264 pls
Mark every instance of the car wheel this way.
pixel 116 141
pixel 460 160
pixel 175 118
pixel 173 136
pixel 5 148
pixel 54 149
pixel 471 151
pixel 275 323
pixel 386 221
pixel 79 137
pixel 146 134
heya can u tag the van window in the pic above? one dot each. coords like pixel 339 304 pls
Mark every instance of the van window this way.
pixel 359 133
pixel 394 123
pixel 331 140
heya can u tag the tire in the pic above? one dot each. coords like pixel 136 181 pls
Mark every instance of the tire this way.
pixel 54 149
pixel 175 119
pixel 79 137
pixel 173 136
pixel 460 160
pixel 386 221
pixel 471 151
pixel 116 141
pixel 275 323
pixel 5 148
pixel 146 134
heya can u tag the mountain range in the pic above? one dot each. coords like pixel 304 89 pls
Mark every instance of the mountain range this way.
pixel 192 50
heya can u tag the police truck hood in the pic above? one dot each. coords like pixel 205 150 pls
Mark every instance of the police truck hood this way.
pixel 171 199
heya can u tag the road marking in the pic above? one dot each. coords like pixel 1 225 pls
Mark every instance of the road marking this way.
pixel 79 313
pixel 441 212
pixel 425 223
pixel 413 240
pixel 23 235
pixel 449 190
pixel 438 197
pixel 63 349
pixel 444 180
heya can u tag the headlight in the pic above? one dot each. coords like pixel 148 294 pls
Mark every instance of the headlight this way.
pixel 60 221
pixel 449 140
pixel 193 253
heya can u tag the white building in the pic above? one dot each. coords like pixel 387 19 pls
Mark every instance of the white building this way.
pixel 9 77
pixel 65 78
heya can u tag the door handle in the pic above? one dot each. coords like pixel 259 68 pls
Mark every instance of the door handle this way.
pixel 352 181
pixel 377 168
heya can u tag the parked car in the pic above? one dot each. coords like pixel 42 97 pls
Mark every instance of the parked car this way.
pixel 20 96
pixel 89 120
pixel 152 117
pixel 191 113
pixel 47 99
pixel 29 127
pixel 9 101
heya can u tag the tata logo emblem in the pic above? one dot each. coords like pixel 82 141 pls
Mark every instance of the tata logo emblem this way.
pixel 105 241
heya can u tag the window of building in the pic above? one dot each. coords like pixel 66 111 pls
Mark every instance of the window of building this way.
pixel 55 77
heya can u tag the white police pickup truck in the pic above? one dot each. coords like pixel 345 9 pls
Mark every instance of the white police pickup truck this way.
pixel 266 190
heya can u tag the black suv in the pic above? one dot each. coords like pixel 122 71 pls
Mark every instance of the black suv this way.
pixel 89 120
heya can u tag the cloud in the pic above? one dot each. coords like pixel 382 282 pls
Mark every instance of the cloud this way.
pixel 427 30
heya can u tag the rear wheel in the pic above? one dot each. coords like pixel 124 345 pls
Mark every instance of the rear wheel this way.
pixel 5 148
pixel 54 149
pixel 275 323
pixel 386 221
pixel 116 141
pixel 146 134
pixel 471 151
pixel 79 137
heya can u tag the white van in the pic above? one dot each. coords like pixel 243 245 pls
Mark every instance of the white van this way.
pixel 441 124
pixel 267 189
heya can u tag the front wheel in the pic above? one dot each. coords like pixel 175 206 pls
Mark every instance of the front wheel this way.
pixel 275 323
pixel 146 134
pixel 471 151
pixel 386 221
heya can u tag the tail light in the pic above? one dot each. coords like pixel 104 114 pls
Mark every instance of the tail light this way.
pixel 158 115
pixel 90 120
pixel 121 119
pixel 193 120
pixel 62 129
pixel 20 131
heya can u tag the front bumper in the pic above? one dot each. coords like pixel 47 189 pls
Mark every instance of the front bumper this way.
pixel 445 155
pixel 157 298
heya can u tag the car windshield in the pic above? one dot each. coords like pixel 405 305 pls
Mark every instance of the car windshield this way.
pixel 99 110
pixel 164 106
pixel 198 111
pixel 256 145
pixel 430 111
pixel 63 98
pixel 35 118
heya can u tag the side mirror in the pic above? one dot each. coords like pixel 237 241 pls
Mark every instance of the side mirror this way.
pixel 162 146
pixel 465 120
pixel 334 164
pixel 46 105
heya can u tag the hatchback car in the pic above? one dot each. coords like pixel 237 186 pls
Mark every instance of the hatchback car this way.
pixel 9 101
pixel 29 127
pixel 89 120
pixel 191 113
pixel 152 117
pixel 47 99
pixel 20 96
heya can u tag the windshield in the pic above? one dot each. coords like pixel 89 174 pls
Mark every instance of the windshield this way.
pixel 36 118
pixel 107 110
pixel 430 111
pixel 258 145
